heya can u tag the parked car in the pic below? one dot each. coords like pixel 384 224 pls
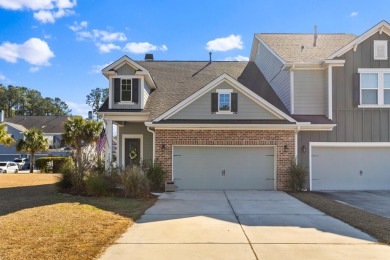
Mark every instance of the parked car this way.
pixel 22 163
pixel 8 167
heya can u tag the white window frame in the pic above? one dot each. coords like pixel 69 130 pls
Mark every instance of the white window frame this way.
pixel 381 89
pixel 131 92
pixel 378 43
pixel 225 91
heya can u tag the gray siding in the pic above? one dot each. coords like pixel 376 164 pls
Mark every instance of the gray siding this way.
pixel 146 91
pixel 353 124
pixel 201 108
pixel 136 129
pixel 16 135
pixel 125 70
pixel 310 92
pixel 272 69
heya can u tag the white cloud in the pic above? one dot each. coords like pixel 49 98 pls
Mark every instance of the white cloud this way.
pixel 143 47
pixel 78 109
pixel 78 26
pixel 45 11
pixel 34 69
pixel 109 37
pixel 3 77
pixel 237 58
pixel 98 68
pixel 354 14
pixel 47 36
pixel 35 51
pixel 106 48
pixel 225 44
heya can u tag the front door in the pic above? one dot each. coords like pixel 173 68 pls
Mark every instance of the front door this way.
pixel 132 151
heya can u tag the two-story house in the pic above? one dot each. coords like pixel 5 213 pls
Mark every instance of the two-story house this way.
pixel 320 98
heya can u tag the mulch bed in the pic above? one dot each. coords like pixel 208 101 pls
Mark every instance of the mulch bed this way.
pixel 374 225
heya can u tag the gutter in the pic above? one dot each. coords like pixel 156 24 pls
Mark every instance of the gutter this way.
pixel 154 141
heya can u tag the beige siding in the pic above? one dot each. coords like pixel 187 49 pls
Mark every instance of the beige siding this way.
pixel 136 129
pixel 272 69
pixel 310 92
pixel 201 108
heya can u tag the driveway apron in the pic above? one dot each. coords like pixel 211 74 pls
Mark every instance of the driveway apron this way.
pixel 240 225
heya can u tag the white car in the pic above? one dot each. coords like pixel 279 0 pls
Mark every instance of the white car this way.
pixel 8 167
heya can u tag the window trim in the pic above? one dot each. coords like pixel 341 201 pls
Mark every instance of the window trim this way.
pixel 380 89
pixel 225 91
pixel 378 43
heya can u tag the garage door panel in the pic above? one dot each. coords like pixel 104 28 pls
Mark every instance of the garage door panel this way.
pixel 208 167
pixel 350 168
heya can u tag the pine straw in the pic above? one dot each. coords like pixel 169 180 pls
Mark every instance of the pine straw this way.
pixel 37 223
pixel 374 225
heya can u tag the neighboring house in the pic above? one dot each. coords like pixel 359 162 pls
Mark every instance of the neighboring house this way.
pixel 237 125
pixel 51 126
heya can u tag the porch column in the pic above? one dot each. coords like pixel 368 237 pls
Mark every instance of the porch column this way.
pixel 108 145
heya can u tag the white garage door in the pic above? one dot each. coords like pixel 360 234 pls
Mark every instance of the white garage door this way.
pixel 350 168
pixel 218 168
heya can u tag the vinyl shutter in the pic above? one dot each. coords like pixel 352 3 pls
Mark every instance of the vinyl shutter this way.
pixel 117 90
pixel 234 107
pixel 356 89
pixel 214 102
pixel 135 90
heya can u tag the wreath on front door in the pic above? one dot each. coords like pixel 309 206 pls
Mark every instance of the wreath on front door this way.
pixel 133 154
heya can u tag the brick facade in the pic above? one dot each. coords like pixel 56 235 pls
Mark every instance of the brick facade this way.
pixel 278 138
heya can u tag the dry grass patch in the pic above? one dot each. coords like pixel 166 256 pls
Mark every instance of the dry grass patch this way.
pixel 374 225
pixel 37 223
pixel 26 179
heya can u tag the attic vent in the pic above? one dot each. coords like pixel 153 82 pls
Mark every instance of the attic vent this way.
pixel 149 57
pixel 380 50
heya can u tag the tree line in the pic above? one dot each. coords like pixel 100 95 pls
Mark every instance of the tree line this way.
pixel 16 100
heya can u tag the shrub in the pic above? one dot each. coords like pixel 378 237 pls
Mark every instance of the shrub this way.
pixel 298 175
pixel 155 175
pixel 43 163
pixel 134 182
pixel 97 185
pixel 65 180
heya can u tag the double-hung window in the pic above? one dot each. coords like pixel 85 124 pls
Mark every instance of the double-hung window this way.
pixel 224 101
pixel 374 87
pixel 126 90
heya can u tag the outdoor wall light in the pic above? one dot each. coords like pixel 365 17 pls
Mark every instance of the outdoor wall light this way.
pixel 163 147
pixel 303 149
pixel 285 148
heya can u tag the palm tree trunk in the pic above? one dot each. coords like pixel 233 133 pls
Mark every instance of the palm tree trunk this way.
pixel 32 159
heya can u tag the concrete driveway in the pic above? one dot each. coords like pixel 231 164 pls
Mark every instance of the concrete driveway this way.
pixel 240 225
pixel 377 202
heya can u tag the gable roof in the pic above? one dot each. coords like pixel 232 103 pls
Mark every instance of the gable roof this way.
pixel 15 126
pixel 382 26
pixel 289 46
pixel 48 124
pixel 235 84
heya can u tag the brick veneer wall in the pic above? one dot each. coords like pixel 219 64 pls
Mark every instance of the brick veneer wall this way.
pixel 278 138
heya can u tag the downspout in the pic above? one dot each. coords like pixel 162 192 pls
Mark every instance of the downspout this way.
pixel 296 143
pixel 154 142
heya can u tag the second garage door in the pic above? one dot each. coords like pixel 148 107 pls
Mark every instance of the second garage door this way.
pixel 218 168
pixel 350 168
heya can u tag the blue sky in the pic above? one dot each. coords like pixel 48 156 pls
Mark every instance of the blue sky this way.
pixel 59 46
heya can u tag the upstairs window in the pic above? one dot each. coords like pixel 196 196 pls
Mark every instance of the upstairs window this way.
pixel 126 90
pixel 374 87
pixel 380 50
pixel 224 101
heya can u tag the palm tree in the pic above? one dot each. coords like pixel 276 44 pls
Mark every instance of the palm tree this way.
pixel 79 133
pixel 33 142
pixel 5 138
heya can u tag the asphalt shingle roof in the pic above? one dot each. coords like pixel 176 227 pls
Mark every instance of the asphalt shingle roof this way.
pixel 289 46
pixel 48 124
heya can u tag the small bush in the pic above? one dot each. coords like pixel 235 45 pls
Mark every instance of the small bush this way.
pixel 52 164
pixel 97 185
pixel 65 180
pixel 155 175
pixel 298 175
pixel 134 182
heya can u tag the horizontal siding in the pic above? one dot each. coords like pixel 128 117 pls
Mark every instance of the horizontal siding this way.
pixel 310 91
pixel 136 129
pixel 146 91
pixel 271 67
pixel 201 108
